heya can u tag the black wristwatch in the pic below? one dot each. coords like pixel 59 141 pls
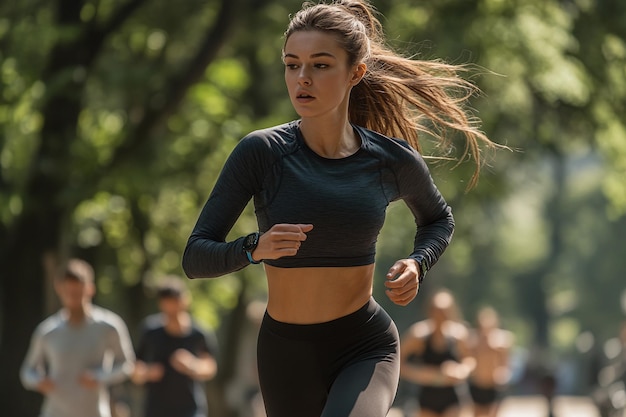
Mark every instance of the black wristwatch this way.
pixel 249 245
pixel 423 270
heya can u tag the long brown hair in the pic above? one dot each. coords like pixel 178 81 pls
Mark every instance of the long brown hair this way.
pixel 398 96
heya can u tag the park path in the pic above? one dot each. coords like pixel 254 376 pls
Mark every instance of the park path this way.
pixel 536 406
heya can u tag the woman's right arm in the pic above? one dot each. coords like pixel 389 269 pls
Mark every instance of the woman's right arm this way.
pixel 207 253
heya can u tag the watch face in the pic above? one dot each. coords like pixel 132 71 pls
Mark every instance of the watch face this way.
pixel 250 241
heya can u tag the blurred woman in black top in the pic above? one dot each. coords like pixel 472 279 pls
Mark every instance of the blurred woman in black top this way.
pixel 434 355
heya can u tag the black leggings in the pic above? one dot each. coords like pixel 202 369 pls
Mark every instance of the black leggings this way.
pixel 348 367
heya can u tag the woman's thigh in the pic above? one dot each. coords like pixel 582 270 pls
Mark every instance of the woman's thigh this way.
pixel 291 377
pixel 365 389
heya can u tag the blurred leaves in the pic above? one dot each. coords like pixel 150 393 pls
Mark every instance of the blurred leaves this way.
pixel 155 125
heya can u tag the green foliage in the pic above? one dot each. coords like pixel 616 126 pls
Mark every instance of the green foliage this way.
pixel 141 162
pixel 544 85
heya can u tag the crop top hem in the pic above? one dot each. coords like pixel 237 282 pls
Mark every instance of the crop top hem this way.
pixel 290 262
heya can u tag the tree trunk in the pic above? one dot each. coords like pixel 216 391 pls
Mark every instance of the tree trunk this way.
pixel 35 240
pixel 34 244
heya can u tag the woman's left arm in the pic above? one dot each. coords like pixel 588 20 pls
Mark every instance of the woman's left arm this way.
pixel 434 222
pixel 433 216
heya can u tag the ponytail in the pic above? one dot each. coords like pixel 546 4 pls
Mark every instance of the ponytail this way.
pixel 399 96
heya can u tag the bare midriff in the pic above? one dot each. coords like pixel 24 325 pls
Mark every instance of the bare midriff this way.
pixel 317 295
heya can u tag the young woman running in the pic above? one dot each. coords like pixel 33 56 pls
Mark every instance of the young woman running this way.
pixel 321 185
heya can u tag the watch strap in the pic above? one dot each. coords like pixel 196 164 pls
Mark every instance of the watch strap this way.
pixel 250 258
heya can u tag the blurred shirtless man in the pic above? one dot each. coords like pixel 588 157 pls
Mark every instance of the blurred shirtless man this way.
pixel 490 346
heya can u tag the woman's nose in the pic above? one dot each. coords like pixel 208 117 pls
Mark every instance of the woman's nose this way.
pixel 304 78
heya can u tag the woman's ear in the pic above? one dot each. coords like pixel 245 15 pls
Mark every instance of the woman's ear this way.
pixel 358 73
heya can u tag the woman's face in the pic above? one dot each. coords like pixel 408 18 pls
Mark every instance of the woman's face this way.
pixel 317 74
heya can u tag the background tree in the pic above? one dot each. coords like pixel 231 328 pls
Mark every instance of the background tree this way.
pixel 86 130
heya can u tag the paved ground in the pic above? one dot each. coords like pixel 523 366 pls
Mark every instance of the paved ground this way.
pixel 536 406
pixel 532 406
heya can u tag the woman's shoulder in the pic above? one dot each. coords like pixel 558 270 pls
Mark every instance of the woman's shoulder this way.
pixel 276 138
pixel 261 148
pixel 387 147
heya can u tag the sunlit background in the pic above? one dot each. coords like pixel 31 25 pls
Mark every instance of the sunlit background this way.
pixel 116 116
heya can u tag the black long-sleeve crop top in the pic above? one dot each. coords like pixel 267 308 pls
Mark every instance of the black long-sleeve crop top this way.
pixel 345 199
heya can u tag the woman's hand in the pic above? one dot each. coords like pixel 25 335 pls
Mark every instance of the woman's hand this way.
pixel 281 240
pixel 402 281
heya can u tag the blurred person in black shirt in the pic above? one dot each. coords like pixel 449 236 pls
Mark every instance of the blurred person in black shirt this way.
pixel 174 356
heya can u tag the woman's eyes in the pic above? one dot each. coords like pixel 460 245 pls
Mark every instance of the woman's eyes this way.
pixel 296 66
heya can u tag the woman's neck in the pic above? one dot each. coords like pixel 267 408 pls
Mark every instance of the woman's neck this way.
pixel 330 138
